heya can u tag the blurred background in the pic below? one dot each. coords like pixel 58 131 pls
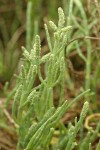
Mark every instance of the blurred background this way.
pixel 21 20
pixel 15 22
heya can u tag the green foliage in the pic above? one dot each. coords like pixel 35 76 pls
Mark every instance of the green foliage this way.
pixel 33 107
pixel 83 30
pixel 37 119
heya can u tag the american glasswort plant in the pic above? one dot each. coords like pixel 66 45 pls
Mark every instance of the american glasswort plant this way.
pixel 37 119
